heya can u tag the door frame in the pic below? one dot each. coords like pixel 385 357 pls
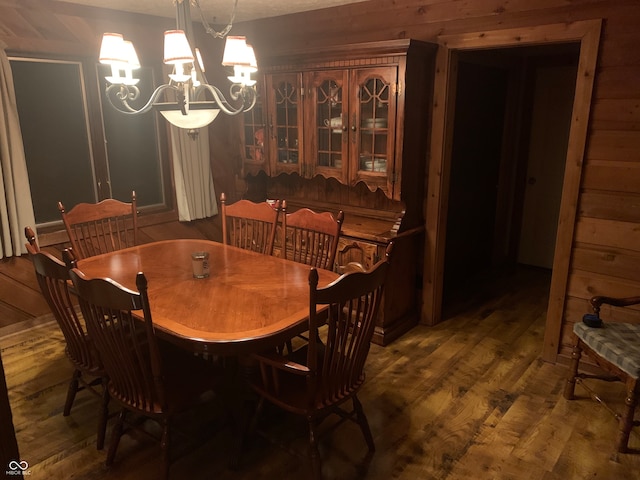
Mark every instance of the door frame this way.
pixel 587 34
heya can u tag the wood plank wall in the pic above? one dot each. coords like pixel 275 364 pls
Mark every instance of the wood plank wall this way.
pixel 606 248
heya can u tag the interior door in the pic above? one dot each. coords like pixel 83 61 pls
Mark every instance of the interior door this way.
pixel 551 121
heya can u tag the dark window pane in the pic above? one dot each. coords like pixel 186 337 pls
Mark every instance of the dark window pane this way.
pixel 52 109
pixel 133 156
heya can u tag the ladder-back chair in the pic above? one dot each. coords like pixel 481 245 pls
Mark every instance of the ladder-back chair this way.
pixel 310 237
pixel 146 377
pixel 317 379
pixel 102 227
pixel 54 281
pixel 615 348
pixel 248 225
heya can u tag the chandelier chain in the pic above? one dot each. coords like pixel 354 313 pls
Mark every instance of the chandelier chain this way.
pixel 215 34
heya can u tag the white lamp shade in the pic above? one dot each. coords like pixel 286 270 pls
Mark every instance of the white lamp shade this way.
pixel 112 49
pixel 176 47
pixel 131 55
pixel 199 59
pixel 236 52
pixel 253 63
pixel 194 119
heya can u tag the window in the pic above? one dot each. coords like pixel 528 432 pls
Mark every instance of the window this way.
pixel 133 152
pixel 78 147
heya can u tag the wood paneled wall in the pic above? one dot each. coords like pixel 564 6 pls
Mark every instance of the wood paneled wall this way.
pixel 57 29
pixel 605 254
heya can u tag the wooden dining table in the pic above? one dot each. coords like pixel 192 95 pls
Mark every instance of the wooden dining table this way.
pixel 249 302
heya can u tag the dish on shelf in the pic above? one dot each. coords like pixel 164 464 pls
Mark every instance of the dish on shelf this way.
pixel 334 122
pixel 373 165
pixel 374 123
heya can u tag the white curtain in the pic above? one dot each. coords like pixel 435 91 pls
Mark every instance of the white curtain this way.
pixel 192 172
pixel 16 209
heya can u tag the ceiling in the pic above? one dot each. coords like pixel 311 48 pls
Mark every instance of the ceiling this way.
pixel 218 12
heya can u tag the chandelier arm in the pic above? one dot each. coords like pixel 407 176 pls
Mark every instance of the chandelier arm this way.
pixel 222 33
pixel 244 92
pixel 222 102
pixel 254 99
pixel 124 94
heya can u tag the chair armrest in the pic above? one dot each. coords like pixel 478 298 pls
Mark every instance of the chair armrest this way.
pixel 599 300
pixel 282 363
pixel 354 267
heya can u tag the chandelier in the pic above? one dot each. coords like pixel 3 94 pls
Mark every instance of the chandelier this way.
pixel 193 102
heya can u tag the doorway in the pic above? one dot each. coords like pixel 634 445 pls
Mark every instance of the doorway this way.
pixel 586 34
pixel 510 136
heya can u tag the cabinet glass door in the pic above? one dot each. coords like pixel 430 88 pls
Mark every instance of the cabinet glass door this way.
pixel 374 124
pixel 286 122
pixel 328 145
pixel 254 136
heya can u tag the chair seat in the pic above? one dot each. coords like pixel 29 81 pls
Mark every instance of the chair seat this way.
pixel 618 343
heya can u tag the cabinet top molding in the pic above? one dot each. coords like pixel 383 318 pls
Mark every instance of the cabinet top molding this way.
pixel 388 48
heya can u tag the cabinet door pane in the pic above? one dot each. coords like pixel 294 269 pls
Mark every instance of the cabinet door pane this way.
pixel 328 145
pixel 286 112
pixel 254 135
pixel 375 118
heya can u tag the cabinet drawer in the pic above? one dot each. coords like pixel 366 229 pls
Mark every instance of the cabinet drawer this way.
pixel 354 250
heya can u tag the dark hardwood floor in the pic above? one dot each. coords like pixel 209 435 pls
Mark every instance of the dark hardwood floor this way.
pixel 467 399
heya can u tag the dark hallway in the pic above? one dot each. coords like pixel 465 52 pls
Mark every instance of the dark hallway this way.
pixel 506 170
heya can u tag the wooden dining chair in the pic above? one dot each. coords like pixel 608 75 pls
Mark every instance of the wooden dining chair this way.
pixel 54 282
pixel 310 237
pixel 146 377
pixel 106 226
pixel 615 348
pixel 248 225
pixel 316 380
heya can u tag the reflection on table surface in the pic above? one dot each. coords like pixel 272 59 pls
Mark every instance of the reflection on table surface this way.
pixel 249 301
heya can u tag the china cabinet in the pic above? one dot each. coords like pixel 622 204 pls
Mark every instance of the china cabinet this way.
pixel 347 128
pixel 340 113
